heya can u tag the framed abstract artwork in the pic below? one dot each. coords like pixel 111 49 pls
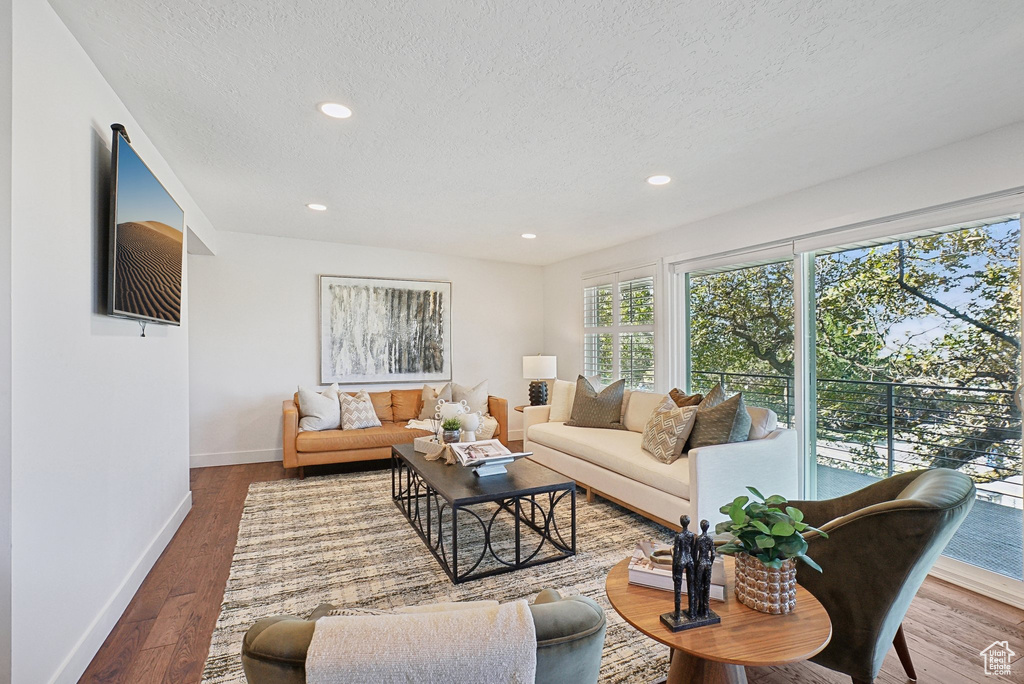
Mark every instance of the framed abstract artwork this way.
pixel 381 330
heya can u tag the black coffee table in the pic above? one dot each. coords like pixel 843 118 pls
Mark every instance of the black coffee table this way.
pixel 516 513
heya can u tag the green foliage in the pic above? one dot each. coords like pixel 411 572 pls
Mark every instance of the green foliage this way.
pixel 940 310
pixel 765 531
pixel 451 424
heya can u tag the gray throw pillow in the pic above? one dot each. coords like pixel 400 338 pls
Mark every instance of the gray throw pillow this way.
pixel 604 410
pixel 713 398
pixel 722 424
pixel 319 410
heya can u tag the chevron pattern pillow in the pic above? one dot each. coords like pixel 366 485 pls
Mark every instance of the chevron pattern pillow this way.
pixel 357 412
pixel 667 431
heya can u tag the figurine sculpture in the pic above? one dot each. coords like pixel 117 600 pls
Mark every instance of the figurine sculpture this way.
pixel 682 562
pixel 693 557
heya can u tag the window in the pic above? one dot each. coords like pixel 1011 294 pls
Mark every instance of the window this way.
pixel 741 334
pixel 618 327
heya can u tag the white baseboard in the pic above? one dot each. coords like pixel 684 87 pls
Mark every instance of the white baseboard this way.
pixel 82 654
pixel 990 584
pixel 235 457
pixel 515 435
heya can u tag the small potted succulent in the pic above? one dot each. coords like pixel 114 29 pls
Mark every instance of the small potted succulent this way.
pixel 451 428
pixel 766 541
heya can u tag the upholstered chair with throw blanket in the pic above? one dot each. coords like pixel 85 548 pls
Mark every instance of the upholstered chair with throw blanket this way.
pixel 569 636
pixel 882 541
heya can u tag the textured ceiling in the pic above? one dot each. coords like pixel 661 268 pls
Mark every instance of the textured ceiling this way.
pixel 475 121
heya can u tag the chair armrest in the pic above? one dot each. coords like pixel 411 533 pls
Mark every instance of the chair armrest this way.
pixel 566 619
pixel 274 650
pixel 498 408
pixel 532 415
pixel 817 513
pixel 290 416
pixel 720 473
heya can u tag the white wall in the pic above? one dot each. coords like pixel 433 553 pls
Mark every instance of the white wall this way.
pixel 254 331
pixel 100 428
pixel 5 341
pixel 971 168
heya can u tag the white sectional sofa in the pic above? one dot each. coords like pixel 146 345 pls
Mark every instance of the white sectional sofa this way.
pixel 612 464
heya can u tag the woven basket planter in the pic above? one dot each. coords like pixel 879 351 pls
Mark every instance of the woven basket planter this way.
pixel 767 590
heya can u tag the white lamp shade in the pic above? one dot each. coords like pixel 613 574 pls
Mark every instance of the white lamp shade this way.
pixel 540 367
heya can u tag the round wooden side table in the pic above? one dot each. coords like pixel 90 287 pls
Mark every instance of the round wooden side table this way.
pixel 718 654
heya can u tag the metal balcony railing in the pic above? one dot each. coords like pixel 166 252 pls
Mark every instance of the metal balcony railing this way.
pixel 882 428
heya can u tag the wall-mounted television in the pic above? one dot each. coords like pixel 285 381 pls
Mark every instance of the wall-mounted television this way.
pixel 146 240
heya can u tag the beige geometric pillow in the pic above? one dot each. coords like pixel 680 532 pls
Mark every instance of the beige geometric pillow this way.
pixel 357 412
pixel 319 410
pixel 667 431
pixel 431 395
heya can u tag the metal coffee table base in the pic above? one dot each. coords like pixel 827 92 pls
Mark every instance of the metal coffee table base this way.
pixel 534 523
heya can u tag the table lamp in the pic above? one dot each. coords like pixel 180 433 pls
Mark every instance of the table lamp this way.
pixel 538 369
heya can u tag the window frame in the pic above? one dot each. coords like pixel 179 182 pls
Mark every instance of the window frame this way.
pixel 615 280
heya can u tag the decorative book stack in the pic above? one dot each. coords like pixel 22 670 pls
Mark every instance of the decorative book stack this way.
pixel 646 572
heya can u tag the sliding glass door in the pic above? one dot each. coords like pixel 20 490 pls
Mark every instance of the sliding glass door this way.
pixel 913 348
pixel 918 356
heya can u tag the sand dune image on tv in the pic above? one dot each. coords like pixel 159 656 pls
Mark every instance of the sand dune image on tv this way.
pixel 146 241
pixel 148 274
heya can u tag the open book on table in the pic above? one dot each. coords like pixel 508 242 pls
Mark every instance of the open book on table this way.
pixel 474 454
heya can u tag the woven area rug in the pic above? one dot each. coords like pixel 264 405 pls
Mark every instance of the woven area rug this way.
pixel 339 539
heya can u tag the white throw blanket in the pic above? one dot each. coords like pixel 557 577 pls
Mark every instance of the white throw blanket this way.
pixel 494 644
pixel 488 426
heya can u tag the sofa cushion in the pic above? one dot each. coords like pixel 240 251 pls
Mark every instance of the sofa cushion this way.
pixel 682 399
pixel 594 409
pixel 405 404
pixel 725 423
pixel 618 451
pixel 713 398
pixel 640 408
pixel 562 394
pixel 596 382
pixel 319 410
pixel 387 434
pixel 475 397
pixel 430 396
pixel 763 422
pixel 358 412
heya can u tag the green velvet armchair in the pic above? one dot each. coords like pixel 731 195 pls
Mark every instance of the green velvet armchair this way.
pixel 570 638
pixel 883 540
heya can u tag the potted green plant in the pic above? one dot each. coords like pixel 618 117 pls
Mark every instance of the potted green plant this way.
pixel 766 541
pixel 451 428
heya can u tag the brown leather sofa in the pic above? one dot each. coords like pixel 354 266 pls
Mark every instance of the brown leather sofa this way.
pixel 395 408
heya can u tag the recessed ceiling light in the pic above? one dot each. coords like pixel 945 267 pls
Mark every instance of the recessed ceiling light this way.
pixel 335 110
pixel 658 180
pixel 317 207
pixel 529 236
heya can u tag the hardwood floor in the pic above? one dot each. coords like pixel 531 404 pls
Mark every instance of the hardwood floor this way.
pixel 164 634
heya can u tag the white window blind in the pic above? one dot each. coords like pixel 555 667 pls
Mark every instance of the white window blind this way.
pixel 618 327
